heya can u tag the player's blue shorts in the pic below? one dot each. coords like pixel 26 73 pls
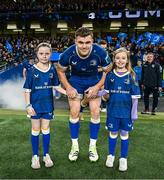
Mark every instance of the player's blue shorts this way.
pixel 116 124
pixel 83 83
pixel 47 116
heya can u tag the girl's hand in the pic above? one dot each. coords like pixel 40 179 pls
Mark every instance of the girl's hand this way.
pixel 31 111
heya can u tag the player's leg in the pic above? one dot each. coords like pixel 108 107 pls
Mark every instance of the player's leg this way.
pixel 35 131
pixel 155 100
pixel 124 135
pixel 94 105
pixel 146 100
pixel 45 128
pixel 74 126
pixel 84 103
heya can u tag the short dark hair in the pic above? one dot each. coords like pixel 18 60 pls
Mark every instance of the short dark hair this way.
pixel 102 42
pixel 83 32
pixel 150 52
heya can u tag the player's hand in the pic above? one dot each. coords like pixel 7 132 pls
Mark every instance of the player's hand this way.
pixel 71 92
pixel 92 92
pixel 31 111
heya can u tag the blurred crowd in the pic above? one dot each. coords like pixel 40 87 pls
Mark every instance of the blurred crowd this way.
pixel 15 50
pixel 50 6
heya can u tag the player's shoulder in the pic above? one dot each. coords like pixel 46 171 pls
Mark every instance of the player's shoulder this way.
pixel 110 74
pixel 69 51
pixel 97 48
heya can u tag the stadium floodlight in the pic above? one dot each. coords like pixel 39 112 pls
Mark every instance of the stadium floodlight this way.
pixel 11 26
pixel 63 29
pixel 17 30
pixel 115 24
pixel 114 28
pixel 142 23
pixel 139 28
pixel 88 25
pixel 62 25
pixel 35 26
pixel 39 30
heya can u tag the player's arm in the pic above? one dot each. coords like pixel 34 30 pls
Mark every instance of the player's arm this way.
pixel 70 91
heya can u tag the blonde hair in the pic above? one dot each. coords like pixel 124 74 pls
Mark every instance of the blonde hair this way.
pixel 128 64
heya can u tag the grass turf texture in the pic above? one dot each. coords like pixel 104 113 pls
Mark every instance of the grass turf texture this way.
pixel 145 151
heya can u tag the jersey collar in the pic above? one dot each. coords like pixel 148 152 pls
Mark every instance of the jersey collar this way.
pixel 115 72
pixel 41 69
pixel 86 56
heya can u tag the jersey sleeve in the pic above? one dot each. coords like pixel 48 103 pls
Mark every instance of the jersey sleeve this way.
pixel 55 79
pixel 107 83
pixel 105 59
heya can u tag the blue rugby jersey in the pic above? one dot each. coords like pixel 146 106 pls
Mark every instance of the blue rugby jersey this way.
pixel 87 66
pixel 121 89
pixel 27 65
pixel 40 84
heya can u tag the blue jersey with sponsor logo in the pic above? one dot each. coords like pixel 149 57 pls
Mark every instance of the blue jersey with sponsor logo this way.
pixel 87 66
pixel 40 84
pixel 121 89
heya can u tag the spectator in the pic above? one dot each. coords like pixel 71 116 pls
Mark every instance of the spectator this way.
pixel 151 82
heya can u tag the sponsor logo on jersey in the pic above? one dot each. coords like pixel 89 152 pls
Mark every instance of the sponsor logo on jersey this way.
pixel 83 69
pixel 127 81
pixel 36 75
pixel 74 63
pixel 112 80
pixel 93 63
pixel 51 75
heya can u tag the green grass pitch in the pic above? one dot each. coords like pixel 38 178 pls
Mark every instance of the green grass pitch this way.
pixel 145 160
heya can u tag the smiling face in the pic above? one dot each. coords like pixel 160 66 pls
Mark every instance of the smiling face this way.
pixel 84 45
pixel 43 54
pixel 121 60
pixel 150 57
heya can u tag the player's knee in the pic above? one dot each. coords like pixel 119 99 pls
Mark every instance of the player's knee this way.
pixel 95 113
pixel 124 135
pixel 113 135
pixel 74 120
pixel 35 131
pixel 95 121
pixel 45 131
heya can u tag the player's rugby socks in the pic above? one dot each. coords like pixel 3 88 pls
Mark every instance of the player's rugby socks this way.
pixel 94 128
pixel 124 146
pixel 74 126
pixel 35 141
pixel 112 140
pixel 46 140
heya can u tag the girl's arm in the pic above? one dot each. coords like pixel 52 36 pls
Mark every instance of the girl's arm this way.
pixel 134 115
pixel 29 108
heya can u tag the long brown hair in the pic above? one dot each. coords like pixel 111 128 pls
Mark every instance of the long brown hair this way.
pixel 128 64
